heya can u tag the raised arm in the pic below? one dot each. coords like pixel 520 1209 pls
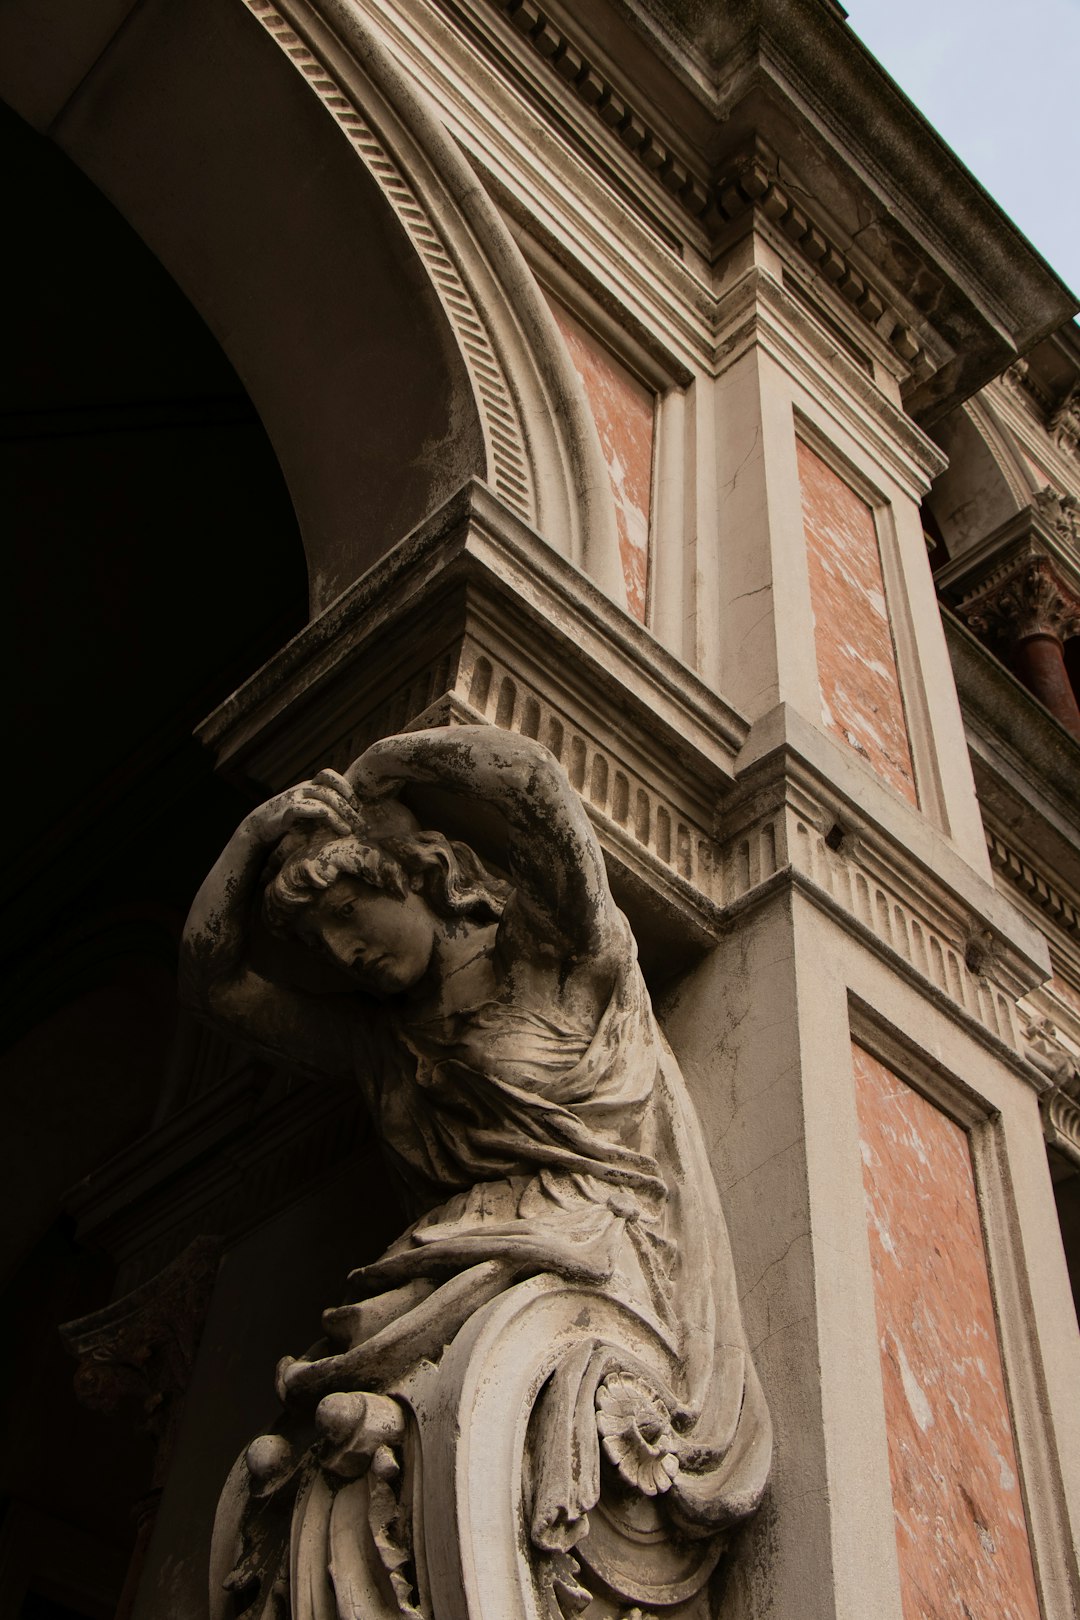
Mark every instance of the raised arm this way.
pixel 556 864
pixel 216 977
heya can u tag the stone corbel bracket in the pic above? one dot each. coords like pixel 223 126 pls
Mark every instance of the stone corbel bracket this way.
pixel 473 617
pixel 1060 1105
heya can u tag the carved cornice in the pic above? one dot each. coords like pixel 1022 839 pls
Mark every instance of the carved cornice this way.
pixel 610 107
pixel 747 181
pixel 474 618
pixel 443 631
pixel 674 87
pixel 1040 889
pixel 798 817
pixel 751 180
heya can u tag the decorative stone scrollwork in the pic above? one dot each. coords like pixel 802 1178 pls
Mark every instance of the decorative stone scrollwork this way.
pixel 539 1401
pixel 1062 511
pixel 1031 606
pixel 1063 423
pixel 1060 1104
pixel 1028 599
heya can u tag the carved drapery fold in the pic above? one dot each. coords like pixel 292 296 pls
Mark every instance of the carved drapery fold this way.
pixel 540 1397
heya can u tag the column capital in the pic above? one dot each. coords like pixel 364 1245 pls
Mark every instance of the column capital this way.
pixel 1028 595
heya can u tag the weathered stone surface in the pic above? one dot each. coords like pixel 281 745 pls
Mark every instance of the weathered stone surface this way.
pixel 567 1261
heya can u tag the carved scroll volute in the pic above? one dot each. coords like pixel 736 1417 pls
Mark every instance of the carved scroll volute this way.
pixel 493 1385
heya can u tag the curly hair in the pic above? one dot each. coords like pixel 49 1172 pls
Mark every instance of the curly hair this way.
pixel 450 876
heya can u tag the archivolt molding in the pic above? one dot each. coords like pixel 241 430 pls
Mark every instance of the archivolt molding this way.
pixel 503 430
pixel 1001 446
pixel 543 454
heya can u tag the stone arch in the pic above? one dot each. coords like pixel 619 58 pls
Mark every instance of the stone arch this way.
pixel 985 482
pixel 322 221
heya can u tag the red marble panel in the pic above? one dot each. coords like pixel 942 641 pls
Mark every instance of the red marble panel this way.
pixel 961 1533
pixel 860 688
pixel 624 411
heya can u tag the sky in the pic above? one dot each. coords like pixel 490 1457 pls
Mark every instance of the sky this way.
pixel 998 80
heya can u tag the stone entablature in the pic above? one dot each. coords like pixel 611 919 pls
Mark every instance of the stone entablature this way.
pixel 442 633
pixel 445 623
pixel 1046 893
pixel 656 109
pixel 1040 541
pixel 798 813
pixel 1028 595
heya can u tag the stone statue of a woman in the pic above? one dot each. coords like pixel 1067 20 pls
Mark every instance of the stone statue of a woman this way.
pixel 565 1236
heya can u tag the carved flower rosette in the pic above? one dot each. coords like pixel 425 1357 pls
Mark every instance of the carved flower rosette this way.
pixel 635 1427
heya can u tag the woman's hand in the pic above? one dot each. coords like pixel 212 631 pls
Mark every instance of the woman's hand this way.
pixel 327 798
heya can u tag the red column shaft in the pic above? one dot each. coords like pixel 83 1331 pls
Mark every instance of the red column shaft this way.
pixel 1039 660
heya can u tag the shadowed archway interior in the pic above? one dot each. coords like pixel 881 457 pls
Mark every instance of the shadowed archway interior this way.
pixel 153 560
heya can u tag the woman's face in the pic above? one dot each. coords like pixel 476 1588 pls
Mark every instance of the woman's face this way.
pixel 384 943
